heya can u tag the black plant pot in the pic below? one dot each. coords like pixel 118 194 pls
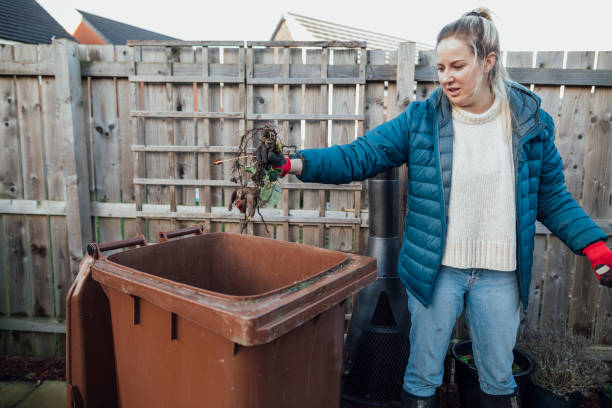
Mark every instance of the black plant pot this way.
pixel 605 400
pixel 543 397
pixel 467 376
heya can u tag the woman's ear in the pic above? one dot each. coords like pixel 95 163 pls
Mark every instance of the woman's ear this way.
pixel 490 62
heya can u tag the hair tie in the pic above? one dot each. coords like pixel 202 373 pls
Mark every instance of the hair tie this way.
pixel 474 13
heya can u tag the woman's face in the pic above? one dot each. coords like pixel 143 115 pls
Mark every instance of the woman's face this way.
pixel 463 80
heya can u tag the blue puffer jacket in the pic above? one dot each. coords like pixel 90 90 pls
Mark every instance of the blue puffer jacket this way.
pixel 422 137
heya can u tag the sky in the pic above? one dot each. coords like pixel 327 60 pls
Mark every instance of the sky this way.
pixel 524 25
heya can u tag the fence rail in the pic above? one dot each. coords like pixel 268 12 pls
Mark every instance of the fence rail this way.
pixel 105 142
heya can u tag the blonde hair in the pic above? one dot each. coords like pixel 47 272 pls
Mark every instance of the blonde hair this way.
pixel 477 29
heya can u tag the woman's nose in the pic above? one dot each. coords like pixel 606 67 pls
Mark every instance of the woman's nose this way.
pixel 445 78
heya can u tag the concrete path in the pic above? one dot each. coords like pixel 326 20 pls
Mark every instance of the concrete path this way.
pixel 23 394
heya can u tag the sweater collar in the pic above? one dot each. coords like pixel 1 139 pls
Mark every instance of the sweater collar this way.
pixel 477 118
pixel 524 105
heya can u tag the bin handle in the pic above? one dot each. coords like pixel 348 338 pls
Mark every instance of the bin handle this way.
pixel 196 229
pixel 94 249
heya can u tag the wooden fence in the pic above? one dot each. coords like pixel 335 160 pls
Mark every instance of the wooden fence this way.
pixel 102 143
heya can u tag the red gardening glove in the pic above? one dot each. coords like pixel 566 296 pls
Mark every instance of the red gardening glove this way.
pixel 601 261
pixel 278 161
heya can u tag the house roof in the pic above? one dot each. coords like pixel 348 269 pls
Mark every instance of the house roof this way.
pixel 26 21
pixel 118 33
pixel 305 28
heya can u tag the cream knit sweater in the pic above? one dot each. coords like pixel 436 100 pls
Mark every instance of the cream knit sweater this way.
pixel 481 219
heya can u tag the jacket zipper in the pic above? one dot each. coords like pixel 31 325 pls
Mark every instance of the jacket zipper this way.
pixel 443 241
pixel 516 222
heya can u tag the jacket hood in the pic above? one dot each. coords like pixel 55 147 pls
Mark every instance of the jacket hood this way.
pixel 524 104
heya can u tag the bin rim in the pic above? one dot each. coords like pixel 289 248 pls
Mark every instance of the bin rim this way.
pixel 245 298
pixel 246 320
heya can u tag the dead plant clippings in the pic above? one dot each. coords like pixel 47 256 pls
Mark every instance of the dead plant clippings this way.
pixel 258 181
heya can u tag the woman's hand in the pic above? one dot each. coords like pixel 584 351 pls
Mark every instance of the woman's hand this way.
pixel 286 165
pixel 601 261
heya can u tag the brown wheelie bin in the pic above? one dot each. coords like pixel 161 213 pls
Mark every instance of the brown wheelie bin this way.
pixel 210 320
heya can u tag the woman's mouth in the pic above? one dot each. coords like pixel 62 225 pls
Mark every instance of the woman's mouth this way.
pixel 452 91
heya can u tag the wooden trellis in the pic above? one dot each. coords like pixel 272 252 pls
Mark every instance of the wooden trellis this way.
pixel 279 89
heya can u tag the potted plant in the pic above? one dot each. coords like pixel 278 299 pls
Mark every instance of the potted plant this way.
pixel 466 374
pixel 605 394
pixel 564 367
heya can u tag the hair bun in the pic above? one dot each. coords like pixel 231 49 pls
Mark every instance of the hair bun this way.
pixel 480 12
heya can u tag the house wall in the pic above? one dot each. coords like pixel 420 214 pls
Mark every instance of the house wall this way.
pixel 283 33
pixel 86 35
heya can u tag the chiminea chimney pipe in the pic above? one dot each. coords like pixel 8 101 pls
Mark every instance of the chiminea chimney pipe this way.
pixel 377 343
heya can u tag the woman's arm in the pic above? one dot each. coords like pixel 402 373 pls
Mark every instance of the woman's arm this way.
pixel 381 148
pixel 557 209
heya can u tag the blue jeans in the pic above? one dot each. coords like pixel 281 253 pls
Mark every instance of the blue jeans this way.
pixel 491 300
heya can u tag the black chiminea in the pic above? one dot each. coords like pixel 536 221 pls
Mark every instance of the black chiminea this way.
pixel 377 343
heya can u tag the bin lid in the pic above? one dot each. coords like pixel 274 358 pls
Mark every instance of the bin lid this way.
pixel 251 314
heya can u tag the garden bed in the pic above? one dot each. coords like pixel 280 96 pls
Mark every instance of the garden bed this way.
pixel 14 368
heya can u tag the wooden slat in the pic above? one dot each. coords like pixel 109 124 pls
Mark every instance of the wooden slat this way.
pixel 405 95
pixel 343 103
pixel 235 219
pixel 187 115
pixel 215 128
pixel 184 101
pixel 70 105
pixel 262 99
pixel 125 54
pixel 16 279
pixel 315 102
pixel 381 73
pixel 538 76
pixel 157 97
pixel 203 197
pixel 297 116
pixel 185 79
pixel 596 194
pixel 571 140
pixel 377 101
pixel 105 143
pixel 309 81
pixel 136 136
pixel 105 69
pixel 13 286
pixel 324 44
pixel 37 265
pixel 40 325
pixel 128 210
pixel 424 85
pixel 294 135
pixel 233 101
pixel 180 43
pixel 27 68
pixel 574 77
pixel 560 262
pixel 601 352
pixel 281 104
pixel 58 233
pixel 186 149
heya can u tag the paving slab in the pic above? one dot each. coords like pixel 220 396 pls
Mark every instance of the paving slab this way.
pixel 49 394
pixel 13 392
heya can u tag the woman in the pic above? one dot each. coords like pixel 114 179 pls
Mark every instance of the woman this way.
pixel 470 246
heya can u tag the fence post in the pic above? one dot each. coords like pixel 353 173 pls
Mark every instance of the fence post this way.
pixel 405 95
pixel 70 130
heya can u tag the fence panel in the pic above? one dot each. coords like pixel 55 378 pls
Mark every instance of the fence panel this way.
pixel 156 116
pixel 597 195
